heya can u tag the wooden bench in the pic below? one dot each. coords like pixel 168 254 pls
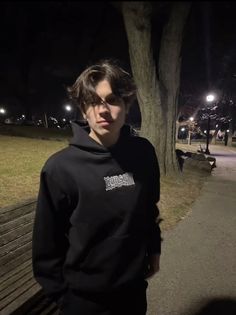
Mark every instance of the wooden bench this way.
pixel 20 294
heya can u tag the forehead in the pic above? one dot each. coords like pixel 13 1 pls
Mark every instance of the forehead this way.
pixel 103 88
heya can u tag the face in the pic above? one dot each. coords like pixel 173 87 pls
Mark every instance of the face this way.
pixel 106 118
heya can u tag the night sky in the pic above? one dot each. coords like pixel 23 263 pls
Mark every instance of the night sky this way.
pixel 45 46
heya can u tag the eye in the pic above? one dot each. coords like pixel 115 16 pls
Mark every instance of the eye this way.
pixel 113 99
pixel 96 101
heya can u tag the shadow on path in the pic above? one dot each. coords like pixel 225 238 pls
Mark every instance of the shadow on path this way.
pixel 218 306
pixel 225 155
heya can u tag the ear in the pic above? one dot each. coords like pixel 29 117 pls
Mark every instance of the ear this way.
pixel 84 116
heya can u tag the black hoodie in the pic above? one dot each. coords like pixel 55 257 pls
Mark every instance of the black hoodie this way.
pixel 96 215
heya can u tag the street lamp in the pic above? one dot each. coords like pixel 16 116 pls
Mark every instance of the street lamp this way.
pixel 182 133
pixel 68 108
pixel 209 98
pixel 2 111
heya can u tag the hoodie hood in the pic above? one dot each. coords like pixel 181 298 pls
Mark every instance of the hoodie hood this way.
pixel 82 139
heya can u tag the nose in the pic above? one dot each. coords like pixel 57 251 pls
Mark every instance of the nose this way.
pixel 103 107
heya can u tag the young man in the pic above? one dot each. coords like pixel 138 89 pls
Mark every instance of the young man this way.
pixel 96 235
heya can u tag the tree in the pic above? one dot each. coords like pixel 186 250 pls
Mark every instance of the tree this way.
pixel 157 82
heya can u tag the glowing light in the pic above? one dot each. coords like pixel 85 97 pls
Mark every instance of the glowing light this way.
pixel 210 98
pixel 68 108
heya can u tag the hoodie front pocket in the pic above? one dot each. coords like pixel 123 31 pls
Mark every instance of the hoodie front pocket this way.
pixel 107 254
pixel 115 260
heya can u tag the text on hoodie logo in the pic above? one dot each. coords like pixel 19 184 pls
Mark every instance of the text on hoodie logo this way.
pixel 118 181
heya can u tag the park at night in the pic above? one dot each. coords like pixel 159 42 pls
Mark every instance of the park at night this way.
pixel 118 158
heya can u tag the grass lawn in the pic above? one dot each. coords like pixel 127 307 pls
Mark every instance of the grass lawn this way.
pixel 21 160
pixel 178 194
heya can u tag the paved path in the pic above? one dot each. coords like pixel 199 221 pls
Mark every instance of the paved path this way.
pixel 198 265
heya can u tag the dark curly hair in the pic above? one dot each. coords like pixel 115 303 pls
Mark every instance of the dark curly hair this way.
pixel 83 92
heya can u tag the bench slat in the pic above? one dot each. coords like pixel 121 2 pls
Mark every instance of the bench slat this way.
pixel 38 305
pixel 20 294
pixel 11 213
pixel 15 286
pixel 12 247
pixel 52 309
pixel 14 234
pixel 8 226
pixel 12 275
pixel 44 307
pixel 12 260
pixel 17 298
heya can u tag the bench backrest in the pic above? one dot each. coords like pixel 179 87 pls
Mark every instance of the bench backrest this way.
pixel 17 284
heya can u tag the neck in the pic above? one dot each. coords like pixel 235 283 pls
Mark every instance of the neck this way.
pixel 106 140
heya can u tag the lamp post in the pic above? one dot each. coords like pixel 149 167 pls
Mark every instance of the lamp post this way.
pixel 2 112
pixel 46 119
pixel 190 125
pixel 182 133
pixel 210 98
pixel 69 110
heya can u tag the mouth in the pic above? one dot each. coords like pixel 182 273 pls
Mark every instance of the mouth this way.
pixel 104 122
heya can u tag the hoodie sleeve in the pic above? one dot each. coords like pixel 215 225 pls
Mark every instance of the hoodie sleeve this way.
pixel 49 243
pixel 154 197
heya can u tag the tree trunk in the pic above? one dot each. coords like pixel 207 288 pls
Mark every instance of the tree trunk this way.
pixel 177 130
pixel 157 98
pixel 230 140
